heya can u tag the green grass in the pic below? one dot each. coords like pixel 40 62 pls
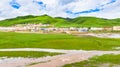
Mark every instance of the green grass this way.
pixel 97 61
pixel 62 22
pixel 28 54
pixel 55 41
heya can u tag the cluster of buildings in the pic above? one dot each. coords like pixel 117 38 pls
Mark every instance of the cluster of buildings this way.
pixel 47 28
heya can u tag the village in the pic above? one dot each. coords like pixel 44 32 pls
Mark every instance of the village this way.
pixel 47 28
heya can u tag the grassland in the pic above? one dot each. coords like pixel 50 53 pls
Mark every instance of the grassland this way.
pixel 62 22
pixel 56 41
pixel 28 54
pixel 98 61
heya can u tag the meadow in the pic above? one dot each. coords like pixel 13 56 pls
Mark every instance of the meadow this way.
pixel 26 54
pixel 56 41
pixel 98 61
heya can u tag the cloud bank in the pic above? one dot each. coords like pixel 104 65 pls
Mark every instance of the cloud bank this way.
pixel 60 8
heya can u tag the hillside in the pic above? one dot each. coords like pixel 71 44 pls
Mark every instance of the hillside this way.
pixel 62 22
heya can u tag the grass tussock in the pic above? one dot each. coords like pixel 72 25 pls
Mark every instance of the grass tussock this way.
pixel 28 54
pixel 99 61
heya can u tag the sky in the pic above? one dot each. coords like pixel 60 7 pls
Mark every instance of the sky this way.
pixel 60 8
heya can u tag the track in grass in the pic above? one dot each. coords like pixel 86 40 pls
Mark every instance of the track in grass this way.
pixel 56 41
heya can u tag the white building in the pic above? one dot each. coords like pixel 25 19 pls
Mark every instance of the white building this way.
pixel 116 27
pixel 7 28
pixel 94 28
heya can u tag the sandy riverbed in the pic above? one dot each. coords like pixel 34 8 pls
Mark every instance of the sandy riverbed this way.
pixel 103 35
pixel 70 56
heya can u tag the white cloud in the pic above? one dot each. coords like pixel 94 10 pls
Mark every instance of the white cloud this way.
pixel 57 8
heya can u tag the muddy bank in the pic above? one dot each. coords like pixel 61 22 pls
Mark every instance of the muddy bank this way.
pixel 102 35
pixel 69 56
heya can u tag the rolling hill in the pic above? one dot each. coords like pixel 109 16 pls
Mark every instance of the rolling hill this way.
pixel 62 22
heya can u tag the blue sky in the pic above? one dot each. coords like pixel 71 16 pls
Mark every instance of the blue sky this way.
pixel 97 9
pixel 60 8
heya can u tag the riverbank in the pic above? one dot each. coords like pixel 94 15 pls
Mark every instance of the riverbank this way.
pixel 102 35
pixel 69 56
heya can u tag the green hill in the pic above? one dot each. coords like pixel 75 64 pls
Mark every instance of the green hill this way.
pixel 61 22
pixel 95 22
